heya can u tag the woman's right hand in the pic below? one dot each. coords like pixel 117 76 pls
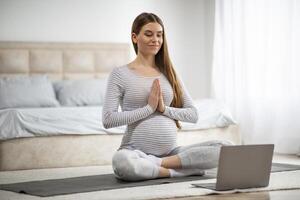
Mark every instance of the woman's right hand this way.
pixel 154 94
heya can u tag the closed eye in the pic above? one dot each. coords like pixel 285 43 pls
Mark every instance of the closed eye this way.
pixel 150 33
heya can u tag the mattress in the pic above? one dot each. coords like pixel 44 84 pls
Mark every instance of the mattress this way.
pixel 84 120
pixel 30 122
pixel 86 150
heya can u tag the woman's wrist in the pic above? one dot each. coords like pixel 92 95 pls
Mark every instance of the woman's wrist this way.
pixel 162 110
pixel 150 108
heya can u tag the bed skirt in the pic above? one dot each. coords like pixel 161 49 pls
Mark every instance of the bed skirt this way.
pixel 86 150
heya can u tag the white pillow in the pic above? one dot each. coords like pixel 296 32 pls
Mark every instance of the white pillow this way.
pixel 212 113
pixel 26 91
pixel 81 92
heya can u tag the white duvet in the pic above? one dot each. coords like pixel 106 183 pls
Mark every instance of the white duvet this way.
pixel 29 122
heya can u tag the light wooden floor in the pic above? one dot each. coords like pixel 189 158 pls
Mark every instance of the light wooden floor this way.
pixel 271 195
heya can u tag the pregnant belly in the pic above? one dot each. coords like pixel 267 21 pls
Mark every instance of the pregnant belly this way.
pixel 155 135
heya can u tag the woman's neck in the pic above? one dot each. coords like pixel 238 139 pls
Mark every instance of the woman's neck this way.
pixel 145 61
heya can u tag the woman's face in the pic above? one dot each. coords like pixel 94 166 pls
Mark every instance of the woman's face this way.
pixel 150 38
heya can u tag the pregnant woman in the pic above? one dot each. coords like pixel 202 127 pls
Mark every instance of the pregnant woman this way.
pixel 153 100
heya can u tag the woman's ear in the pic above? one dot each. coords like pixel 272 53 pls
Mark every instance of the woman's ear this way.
pixel 134 38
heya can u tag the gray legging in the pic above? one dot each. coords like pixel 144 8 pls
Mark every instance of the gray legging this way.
pixel 129 165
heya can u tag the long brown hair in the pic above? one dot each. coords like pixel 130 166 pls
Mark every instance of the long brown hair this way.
pixel 162 59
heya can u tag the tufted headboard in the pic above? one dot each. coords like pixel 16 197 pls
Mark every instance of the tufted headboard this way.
pixel 62 60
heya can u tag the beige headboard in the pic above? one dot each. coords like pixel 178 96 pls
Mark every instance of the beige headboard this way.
pixel 62 60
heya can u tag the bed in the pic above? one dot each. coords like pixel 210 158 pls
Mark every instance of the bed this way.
pixel 25 143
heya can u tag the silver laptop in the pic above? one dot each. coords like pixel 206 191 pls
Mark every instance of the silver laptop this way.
pixel 242 166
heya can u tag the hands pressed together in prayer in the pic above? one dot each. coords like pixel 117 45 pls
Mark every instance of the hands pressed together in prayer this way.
pixel 155 99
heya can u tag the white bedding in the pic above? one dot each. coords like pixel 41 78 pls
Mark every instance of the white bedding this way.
pixel 29 122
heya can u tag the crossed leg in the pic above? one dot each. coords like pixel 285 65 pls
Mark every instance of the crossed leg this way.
pixel 135 165
pixel 203 155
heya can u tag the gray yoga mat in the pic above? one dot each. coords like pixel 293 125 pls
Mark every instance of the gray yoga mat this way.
pixel 54 187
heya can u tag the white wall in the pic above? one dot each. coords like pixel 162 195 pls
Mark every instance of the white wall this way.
pixel 195 46
pixel 188 24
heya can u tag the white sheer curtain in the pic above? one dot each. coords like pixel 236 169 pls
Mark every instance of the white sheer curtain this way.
pixel 256 68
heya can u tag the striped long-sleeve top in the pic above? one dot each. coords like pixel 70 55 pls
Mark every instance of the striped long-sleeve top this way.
pixel 147 130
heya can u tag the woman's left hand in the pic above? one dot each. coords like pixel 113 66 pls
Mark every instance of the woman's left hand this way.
pixel 161 104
